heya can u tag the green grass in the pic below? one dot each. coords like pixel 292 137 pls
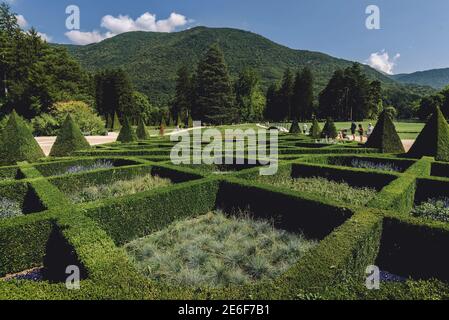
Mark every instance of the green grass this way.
pixel 215 250
pixel 434 208
pixel 406 130
pixel 119 188
pixel 340 192
pixel 9 208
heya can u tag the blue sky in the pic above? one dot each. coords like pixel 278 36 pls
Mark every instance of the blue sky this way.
pixel 413 34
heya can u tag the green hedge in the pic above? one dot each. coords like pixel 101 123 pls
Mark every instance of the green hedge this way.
pixel 139 215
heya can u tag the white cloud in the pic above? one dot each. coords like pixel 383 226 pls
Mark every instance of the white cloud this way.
pixel 21 21
pixel 84 38
pixel 122 24
pixel 45 36
pixel 382 61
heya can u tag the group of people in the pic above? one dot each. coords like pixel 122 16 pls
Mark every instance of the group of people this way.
pixel 357 129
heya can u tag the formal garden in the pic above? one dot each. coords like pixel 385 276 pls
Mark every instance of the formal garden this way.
pixel 139 227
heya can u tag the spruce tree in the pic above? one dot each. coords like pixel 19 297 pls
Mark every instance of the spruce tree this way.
pixel 214 96
pixel 127 133
pixel 142 133
pixel 17 142
pixel 69 140
pixel 302 98
pixel 285 96
pixel 384 136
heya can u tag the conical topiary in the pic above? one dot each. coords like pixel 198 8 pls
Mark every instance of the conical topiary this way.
pixel 108 122
pixel 142 133
pixel 294 129
pixel 116 126
pixel 69 140
pixel 190 122
pixel 433 140
pixel 171 122
pixel 384 136
pixel 17 142
pixel 329 130
pixel 179 122
pixel 315 131
pixel 127 133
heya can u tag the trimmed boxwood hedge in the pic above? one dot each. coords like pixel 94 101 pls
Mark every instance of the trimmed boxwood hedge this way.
pixel 90 235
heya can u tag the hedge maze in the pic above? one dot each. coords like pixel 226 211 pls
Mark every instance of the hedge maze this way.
pixel 53 232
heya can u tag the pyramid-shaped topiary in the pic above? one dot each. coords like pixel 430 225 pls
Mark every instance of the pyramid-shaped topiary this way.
pixel 433 140
pixel 108 122
pixel 69 140
pixel 384 136
pixel 127 133
pixel 294 129
pixel 116 126
pixel 17 142
pixel 315 131
pixel 329 130
pixel 142 133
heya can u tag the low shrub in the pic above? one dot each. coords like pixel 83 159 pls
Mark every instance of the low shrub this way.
pixel 340 192
pixel 434 208
pixel 118 188
pixel 216 251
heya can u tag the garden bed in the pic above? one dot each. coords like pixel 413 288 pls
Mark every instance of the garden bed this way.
pixel 215 250
pixel 18 199
pixel 80 166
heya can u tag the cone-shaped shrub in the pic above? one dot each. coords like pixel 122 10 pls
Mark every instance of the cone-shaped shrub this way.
pixel 108 122
pixel 116 125
pixel 171 122
pixel 294 129
pixel 127 133
pixel 315 131
pixel 17 142
pixel 384 136
pixel 69 140
pixel 329 130
pixel 142 133
pixel 190 122
pixel 433 141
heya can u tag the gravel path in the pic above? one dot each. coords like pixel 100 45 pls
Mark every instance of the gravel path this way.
pixel 47 142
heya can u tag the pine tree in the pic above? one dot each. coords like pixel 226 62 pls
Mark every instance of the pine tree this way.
pixel 69 140
pixel 17 142
pixel 302 98
pixel 127 133
pixel 315 131
pixel 116 125
pixel 214 98
pixel 184 96
pixel 142 132
pixel 384 136
pixel 285 96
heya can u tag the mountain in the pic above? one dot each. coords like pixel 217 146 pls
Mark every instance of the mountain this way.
pixel 436 78
pixel 152 58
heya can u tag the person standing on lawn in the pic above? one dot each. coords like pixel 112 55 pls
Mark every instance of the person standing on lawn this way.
pixel 353 129
pixel 361 132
